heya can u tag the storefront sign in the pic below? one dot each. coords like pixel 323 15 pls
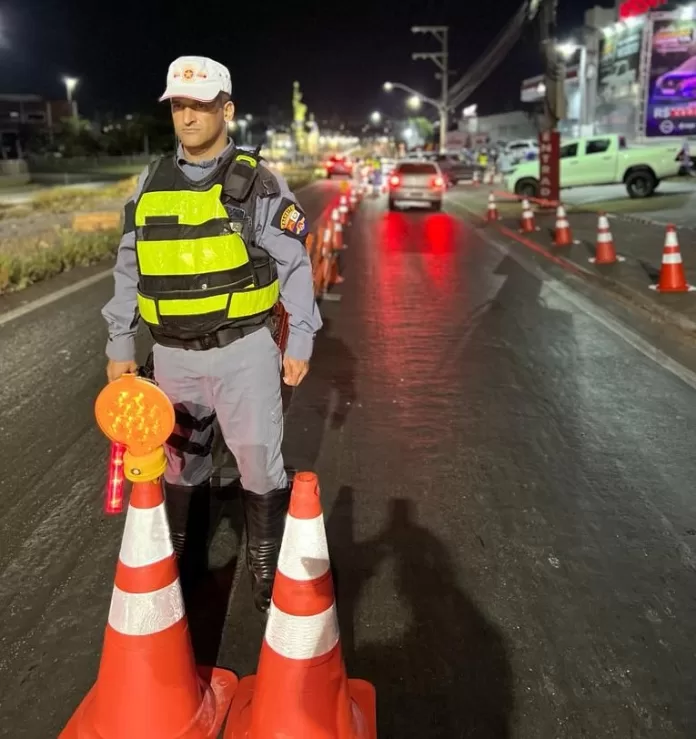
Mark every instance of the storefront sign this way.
pixel 671 109
pixel 549 165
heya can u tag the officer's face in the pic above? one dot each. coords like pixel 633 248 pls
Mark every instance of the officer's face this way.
pixel 199 124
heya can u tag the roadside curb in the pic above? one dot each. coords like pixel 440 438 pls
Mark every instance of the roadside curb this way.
pixel 628 294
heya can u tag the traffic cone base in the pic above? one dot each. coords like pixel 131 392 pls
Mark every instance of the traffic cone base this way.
pixel 363 714
pixel 618 258
pixel 686 289
pixel 217 687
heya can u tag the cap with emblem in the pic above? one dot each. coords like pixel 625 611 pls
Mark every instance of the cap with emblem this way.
pixel 198 78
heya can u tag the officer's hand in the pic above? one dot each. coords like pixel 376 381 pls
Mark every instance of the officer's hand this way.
pixel 115 369
pixel 294 370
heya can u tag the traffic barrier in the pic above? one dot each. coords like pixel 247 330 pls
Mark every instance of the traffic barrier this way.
pixel 605 252
pixel 492 213
pixel 475 178
pixel 301 690
pixel 148 686
pixel 527 224
pixel 101 221
pixel 562 234
pixel 672 278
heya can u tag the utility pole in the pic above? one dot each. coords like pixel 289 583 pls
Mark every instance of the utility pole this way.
pixel 554 103
pixel 441 59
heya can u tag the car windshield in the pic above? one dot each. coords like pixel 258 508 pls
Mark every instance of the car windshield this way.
pixel 417 168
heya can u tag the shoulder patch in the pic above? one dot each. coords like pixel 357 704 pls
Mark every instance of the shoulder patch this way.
pixel 291 219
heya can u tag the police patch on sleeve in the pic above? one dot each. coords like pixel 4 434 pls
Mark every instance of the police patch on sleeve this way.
pixel 290 219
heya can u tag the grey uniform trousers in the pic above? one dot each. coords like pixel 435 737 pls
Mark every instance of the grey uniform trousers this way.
pixel 240 383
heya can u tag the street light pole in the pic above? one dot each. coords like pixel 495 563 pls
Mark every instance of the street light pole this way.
pixel 70 85
pixel 441 59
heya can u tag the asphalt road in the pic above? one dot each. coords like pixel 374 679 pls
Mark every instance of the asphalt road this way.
pixel 507 487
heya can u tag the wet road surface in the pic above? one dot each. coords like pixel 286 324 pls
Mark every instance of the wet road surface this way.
pixel 507 487
pixel 508 498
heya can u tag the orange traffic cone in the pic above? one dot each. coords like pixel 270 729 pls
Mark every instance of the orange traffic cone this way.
pixel 492 214
pixel 148 686
pixel 527 224
pixel 301 690
pixel 353 201
pixel 343 210
pixel 606 253
pixel 672 277
pixel 338 236
pixel 562 234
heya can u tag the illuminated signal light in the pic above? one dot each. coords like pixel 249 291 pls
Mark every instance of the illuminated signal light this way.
pixel 135 412
pixel 394 180
pixel 437 183
pixel 115 480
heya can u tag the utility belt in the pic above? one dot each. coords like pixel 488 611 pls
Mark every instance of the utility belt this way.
pixel 216 340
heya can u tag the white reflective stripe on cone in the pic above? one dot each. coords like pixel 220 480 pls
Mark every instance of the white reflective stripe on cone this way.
pixel 301 637
pixel 139 614
pixel 146 538
pixel 304 553
pixel 671 258
pixel 603 237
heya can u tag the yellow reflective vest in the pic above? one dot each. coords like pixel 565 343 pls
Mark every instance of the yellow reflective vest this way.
pixel 199 270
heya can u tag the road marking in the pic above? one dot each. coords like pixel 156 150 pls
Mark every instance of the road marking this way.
pixel 27 308
pixel 23 310
pixel 592 309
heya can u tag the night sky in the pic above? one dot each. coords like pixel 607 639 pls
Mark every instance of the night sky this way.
pixel 340 52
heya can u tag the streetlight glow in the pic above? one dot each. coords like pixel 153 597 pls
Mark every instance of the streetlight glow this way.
pixel 388 86
pixel 376 117
pixel 567 49
pixel 414 102
pixel 70 85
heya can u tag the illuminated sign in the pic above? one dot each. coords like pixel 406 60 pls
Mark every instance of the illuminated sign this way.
pixel 549 165
pixel 631 8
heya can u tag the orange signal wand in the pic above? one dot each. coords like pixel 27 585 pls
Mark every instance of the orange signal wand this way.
pixel 116 480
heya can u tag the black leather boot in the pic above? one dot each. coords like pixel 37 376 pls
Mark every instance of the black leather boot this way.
pixel 188 511
pixel 264 516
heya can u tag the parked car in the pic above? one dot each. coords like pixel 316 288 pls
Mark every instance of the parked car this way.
pixel 416 183
pixel 454 168
pixel 603 160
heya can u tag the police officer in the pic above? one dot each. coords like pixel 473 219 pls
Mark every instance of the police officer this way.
pixel 212 239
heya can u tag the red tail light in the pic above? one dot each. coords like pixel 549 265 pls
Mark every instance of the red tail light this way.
pixel 437 183
pixel 116 480
pixel 395 180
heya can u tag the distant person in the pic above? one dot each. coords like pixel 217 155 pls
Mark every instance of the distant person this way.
pixel 212 239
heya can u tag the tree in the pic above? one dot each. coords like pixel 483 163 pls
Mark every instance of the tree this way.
pixel 424 128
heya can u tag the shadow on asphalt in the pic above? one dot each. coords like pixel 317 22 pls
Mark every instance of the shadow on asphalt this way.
pixel 322 402
pixel 448 674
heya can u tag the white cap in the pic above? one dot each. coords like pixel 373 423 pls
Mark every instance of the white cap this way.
pixel 198 78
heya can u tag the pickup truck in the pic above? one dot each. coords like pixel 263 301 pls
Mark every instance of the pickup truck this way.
pixel 602 160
